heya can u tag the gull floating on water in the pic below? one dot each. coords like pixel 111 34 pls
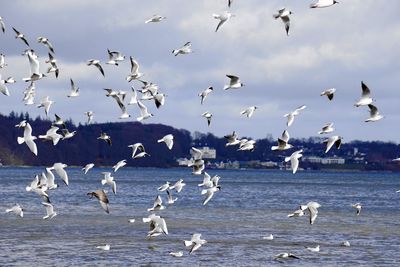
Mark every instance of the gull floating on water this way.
pixel 234 82
pixel 283 142
pixel 50 213
pixel 269 237
pixel 17 209
pixel 329 93
pixel 374 114
pixel 177 254
pixel 328 128
pixel 185 49
pixel 313 249
pixel 294 160
pixel 286 255
pixel 333 140
pixel 205 93
pixel 346 244
pixel 323 3
pixel 155 18
pixel 194 243
pixel 100 194
pixel 358 207
pixel 105 247
pixel 28 139
pixel 290 116
pixel 224 17
pixel 284 15
pixel 168 140
pixel 365 96
pixel 108 179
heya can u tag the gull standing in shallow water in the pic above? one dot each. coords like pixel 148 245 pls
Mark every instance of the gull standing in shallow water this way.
pixel 194 243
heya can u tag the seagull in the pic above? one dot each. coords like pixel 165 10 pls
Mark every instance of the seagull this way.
pixel 206 181
pixel 108 179
pixel 185 49
pixel 135 74
pixel 28 139
pixel 67 134
pixel 159 99
pixel 294 160
pixel 49 177
pixel 59 168
pixel 177 254
pixel 144 114
pixel 2 25
pixel 171 200
pixel 74 90
pixel 208 116
pixel 374 114
pixel 39 189
pixel 194 243
pixel 155 18
pixel 205 93
pixel 269 237
pixel 346 244
pixel 114 57
pixel 3 87
pixel 328 128
pixel 46 104
pixel 232 139
pixel 53 68
pixel 312 208
pixel 52 135
pixel 49 211
pixel 283 142
pixel 284 15
pixel 119 97
pixel 196 162
pixel 178 186
pixel 168 140
pixel 323 3
pixel 329 93
pixel 249 111
pixel 246 145
pixel 17 209
pixel 290 116
pixel 59 121
pixel 119 164
pixel 333 140
pixel 297 213
pixel 22 124
pixel 131 220
pixel 234 82
pixel 106 247
pixel 90 115
pixel 313 249
pixel 365 96
pixel 358 207
pixel 2 61
pixel 138 147
pixel 20 36
pixel 96 63
pixel 210 193
pixel 286 255
pixel 29 94
pixel 157 205
pixel 133 97
pixel 158 225
pixel 164 187
pixel 106 138
pixel 34 67
pixel 102 197
pixel 87 167
pixel 46 42
pixel 224 17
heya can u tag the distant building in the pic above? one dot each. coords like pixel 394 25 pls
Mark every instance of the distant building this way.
pixel 183 161
pixel 208 153
pixel 325 161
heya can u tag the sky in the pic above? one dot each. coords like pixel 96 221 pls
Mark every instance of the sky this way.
pixel 339 46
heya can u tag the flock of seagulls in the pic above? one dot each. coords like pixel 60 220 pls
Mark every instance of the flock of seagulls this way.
pixel 150 92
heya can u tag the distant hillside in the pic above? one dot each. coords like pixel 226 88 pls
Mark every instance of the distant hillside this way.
pixel 85 147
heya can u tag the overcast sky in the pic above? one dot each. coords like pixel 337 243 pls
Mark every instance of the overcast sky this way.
pixel 336 47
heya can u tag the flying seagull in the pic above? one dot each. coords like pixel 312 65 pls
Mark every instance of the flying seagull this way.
pixel 209 192
pixel 46 104
pixel 365 96
pixel 102 197
pixel 323 3
pixel 224 17
pixel 286 255
pixel 52 135
pixel 90 115
pixel 374 114
pixel 106 138
pixel 232 139
pixel 333 140
pixel 46 42
pixel 284 15
pixel 74 90
pixel 108 179
pixel 87 167
pixel 2 25
pixel 144 113
pixel 248 112
pixel 194 243
pixel 185 49
pixel 96 63
pixel 208 116
pixel 28 139
pixel 329 93
pixel 20 36
pixel 59 168
pixel 155 18
pixel 17 209
pixel 234 82
pixel 294 160
pixel 157 205
pixel 178 186
pixel 312 208
pixel 135 74
pixel 50 213
pixel 34 67
pixel 205 93
pixel 138 151
pixel 328 128
pixel 119 164
pixel 3 88
pixel 168 140
pixel 114 57
pixel 290 116
pixel 283 142
pixel 2 61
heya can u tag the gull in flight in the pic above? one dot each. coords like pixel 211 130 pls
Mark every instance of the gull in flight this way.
pixel 90 115
pixel 34 67
pixel 46 104
pixel 323 3
pixel 52 135
pixel 2 61
pixel 108 179
pixel 168 140
pixel 284 15
pixel 358 207
pixel 224 17
pixel 177 254
pixel 196 162
pixel 246 145
pixel 328 128
pixel 333 140
pixel 194 243
pixel 22 124
pixel 67 134
pixel 374 114
pixel 59 121
pixel 205 93
pixel 365 96
pixel 29 94
pixel 209 192
pixel 46 42
pixel 20 36
pixel 102 197
pixel 135 74
pixel 290 116
pixel 48 179
pixel 158 225
pixel 50 213
pixel 138 147
pixel 119 97
pixel 96 63
pixel 114 57
pixel 40 189
pixel 170 199
pixel 53 66
pixel 164 187
pixel 283 142
pixel 155 18
pixel 28 139
pixel 106 247
pixel 2 25
pixel 297 213
pixel 59 168
pixel 3 87
pixel 208 116
pixel 119 164
pixel 206 181
pixel 232 139
pixel 144 114
pixel 185 49
pixel 106 138
pixel 234 82
pixel 133 97
pixel 178 186
pixel 329 93
pixel 74 90
pixel 17 209
pixel 313 249
pixel 157 205
pixel 312 208
pixel 248 112
pixel 294 160
pixel 87 167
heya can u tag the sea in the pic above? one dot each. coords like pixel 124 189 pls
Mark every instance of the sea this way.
pixel 252 204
